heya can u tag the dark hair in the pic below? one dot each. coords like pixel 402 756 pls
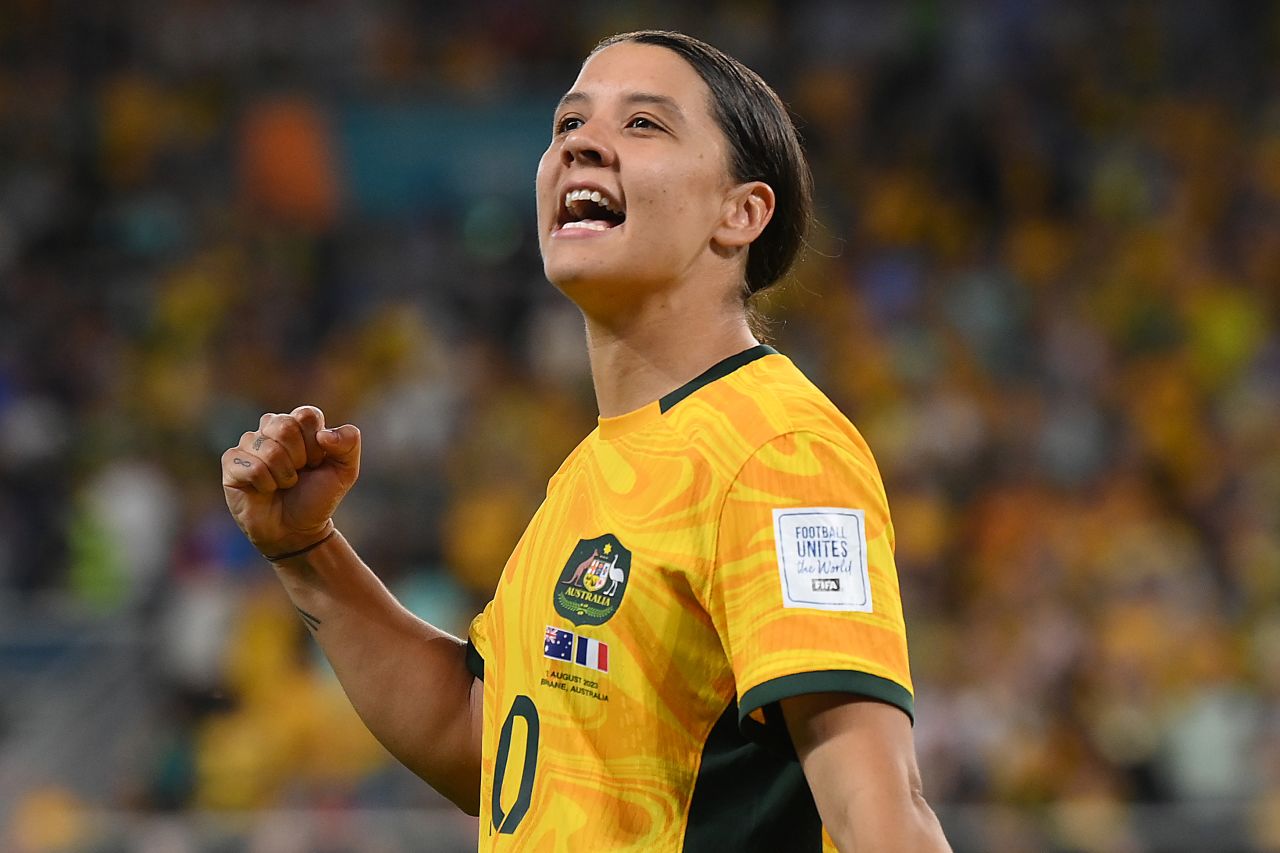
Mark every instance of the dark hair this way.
pixel 763 145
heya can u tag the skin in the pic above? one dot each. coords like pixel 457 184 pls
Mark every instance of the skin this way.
pixel 660 298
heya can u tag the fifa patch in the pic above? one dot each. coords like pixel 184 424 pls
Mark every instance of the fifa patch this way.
pixel 822 558
pixel 593 581
pixel 559 644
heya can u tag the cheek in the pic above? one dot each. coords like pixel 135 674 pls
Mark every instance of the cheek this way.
pixel 684 203
pixel 544 181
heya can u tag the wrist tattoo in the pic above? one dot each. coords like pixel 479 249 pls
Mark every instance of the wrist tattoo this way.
pixel 243 463
pixel 311 622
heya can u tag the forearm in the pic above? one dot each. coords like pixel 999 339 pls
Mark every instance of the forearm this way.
pixel 888 825
pixel 406 679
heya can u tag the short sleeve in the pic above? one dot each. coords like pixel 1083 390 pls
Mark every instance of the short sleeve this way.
pixel 804 593
pixel 478 642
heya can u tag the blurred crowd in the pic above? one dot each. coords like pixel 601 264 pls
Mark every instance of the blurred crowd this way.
pixel 1045 284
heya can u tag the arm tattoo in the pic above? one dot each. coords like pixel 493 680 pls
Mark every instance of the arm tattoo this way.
pixel 312 622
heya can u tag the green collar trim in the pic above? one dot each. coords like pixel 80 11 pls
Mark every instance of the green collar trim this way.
pixel 716 371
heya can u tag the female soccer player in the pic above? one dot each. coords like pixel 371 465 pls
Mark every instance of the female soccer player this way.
pixel 698 643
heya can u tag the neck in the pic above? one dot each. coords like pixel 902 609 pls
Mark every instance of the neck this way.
pixel 653 351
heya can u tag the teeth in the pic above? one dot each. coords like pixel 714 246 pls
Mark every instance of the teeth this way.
pixel 589 195
pixel 586 225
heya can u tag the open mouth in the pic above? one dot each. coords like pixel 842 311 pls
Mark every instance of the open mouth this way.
pixel 589 210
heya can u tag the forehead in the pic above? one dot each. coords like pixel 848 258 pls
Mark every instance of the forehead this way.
pixel 628 67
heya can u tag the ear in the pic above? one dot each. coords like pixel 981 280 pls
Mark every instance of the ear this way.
pixel 747 210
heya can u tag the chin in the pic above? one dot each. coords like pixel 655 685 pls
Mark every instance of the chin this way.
pixel 578 286
pixel 596 290
pixel 565 273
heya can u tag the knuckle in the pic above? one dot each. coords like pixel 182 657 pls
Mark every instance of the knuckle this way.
pixel 274 455
pixel 283 427
pixel 307 413
pixel 291 425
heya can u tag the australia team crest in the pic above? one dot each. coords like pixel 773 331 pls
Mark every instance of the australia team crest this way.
pixel 594 578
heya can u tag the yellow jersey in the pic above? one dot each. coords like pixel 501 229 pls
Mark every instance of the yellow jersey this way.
pixel 694 562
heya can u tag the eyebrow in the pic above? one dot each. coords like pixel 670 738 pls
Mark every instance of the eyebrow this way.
pixel 665 102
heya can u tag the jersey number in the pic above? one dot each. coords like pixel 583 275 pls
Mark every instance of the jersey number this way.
pixel 507 822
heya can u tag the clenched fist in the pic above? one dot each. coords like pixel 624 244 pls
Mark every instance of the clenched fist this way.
pixel 284 481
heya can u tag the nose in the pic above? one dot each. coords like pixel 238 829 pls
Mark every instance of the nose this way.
pixel 587 146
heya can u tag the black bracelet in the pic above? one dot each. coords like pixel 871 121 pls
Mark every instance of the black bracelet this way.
pixel 275 558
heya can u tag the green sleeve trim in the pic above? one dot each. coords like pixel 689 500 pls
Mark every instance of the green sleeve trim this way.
pixel 475 661
pixel 827 681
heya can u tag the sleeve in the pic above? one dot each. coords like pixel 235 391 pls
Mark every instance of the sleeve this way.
pixel 478 642
pixel 804 593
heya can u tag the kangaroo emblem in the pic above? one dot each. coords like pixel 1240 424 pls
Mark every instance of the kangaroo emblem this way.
pixel 593 581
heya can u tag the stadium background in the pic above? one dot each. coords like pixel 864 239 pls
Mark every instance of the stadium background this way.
pixel 1046 286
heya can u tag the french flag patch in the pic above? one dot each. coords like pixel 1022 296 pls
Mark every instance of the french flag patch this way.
pixel 593 654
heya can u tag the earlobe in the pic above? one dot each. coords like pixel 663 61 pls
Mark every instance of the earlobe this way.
pixel 747 212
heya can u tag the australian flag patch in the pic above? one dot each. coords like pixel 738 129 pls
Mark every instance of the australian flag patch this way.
pixel 558 644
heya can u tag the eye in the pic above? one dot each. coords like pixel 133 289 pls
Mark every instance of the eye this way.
pixel 644 123
pixel 568 123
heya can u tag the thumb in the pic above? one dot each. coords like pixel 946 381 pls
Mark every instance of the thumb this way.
pixel 341 445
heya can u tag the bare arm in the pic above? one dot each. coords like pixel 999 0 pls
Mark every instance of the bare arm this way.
pixel 408 680
pixel 860 761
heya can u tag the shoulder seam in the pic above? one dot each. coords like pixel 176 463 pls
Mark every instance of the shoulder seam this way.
pixel 724 499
